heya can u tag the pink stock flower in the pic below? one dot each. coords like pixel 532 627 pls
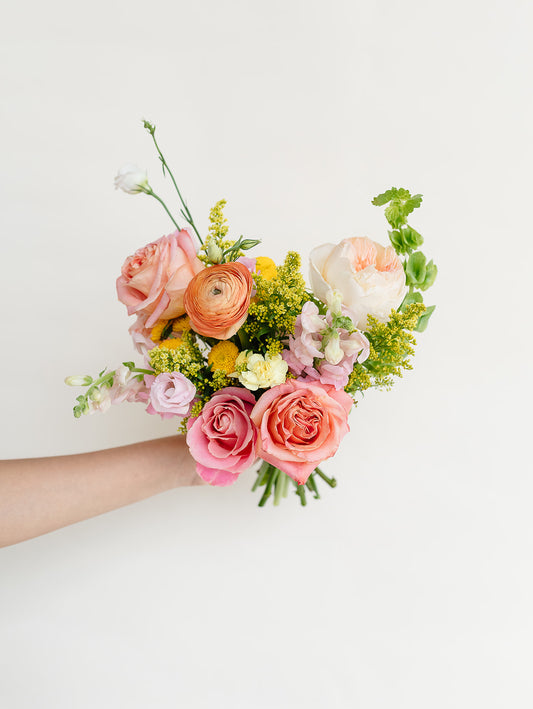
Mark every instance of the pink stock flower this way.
pixel 154 280
pixel 305 347
pixel 127 387
pixel 222 439
pixel 300 425
pixel 171 394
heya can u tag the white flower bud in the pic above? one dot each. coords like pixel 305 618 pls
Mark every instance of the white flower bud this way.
pixel 78 380
pixel 333 351
pixel 214 252
pixel 131 179
pixel 334 301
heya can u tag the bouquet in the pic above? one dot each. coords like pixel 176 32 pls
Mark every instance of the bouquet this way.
pixel 253 364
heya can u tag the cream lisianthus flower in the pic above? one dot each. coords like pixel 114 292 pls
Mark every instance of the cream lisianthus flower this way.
pixel 257 372
pixel 369 277
pixel 131 179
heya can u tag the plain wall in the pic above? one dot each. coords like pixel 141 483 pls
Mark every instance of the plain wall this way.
pixel 410 584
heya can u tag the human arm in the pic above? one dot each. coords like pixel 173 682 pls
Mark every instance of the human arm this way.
pixel 38 495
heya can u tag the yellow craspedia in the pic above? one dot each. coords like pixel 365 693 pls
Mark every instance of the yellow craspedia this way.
pixel 171 344
pixel 267 267
pixel 222 356
pixel 157 330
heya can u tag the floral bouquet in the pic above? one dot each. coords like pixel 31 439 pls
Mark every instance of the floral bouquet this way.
pixel 252 363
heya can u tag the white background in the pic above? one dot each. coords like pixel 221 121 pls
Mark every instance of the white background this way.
pixel 410 585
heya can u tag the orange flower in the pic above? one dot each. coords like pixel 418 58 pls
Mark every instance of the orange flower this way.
pixel 217 299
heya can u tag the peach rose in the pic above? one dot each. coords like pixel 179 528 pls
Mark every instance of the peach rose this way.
pixel 217 299
pixel 154 279
pixel 300 425
pixel 370 277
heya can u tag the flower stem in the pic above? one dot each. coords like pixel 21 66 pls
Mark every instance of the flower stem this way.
pixel 153 194
pixel 311 485
pixel 300 490
pixel 330 481
pixel 187 215
pixel 273 474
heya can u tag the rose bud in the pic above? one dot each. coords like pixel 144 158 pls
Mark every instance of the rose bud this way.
pixel 217 299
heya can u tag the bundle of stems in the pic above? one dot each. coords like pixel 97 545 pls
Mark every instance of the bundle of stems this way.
pixel 278 484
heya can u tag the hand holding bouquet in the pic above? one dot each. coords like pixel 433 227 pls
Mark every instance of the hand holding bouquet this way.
pixel 250 362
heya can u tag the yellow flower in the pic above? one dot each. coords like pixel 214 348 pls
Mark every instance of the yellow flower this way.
pixel 172 344
pixel 157 330
pixel 266 266
pixel 181 324
pixel 222 356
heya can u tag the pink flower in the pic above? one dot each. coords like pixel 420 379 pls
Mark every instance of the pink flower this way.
pixel 140 334
pixel 222 439
pixel 333 364
pixel 171 394
pixel 301 424
pixel 155 278
pixel 127 387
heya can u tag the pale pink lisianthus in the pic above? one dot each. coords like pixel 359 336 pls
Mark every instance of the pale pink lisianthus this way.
pixel 222 439
pixel 171 394
pixel 370 277
pixel 154 280
pixel 300 425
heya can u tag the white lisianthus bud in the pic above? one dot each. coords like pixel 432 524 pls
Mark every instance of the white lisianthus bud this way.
pixel 78 380
pixel 214 252
pixel 333 351
pixel 131 179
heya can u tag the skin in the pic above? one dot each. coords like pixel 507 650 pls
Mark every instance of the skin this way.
pixel 40 495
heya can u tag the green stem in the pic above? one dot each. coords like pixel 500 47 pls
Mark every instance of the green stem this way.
pixel 261 475
pixel 330 481
pixel 273 474
pixel 187 214
pixel 153 194
pixel 278 489
pixel 300 490
pixel 311 485
pixel 137 370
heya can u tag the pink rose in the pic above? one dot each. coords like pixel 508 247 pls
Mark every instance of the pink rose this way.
pixel 222 439
pixel 301 424
pixel 171 394
pixel 155 278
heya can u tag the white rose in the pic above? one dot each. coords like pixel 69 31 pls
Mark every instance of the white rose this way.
pixel 131 179
pixel 370 277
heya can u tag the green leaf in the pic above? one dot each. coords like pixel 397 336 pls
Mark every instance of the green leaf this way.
pixel 396 240
pixel 431 275
pixel 394 214
pixel 424 319
pixel 129 365
pixel 402 193
pixel 411 298
pixel 411 237
pixel 416 268
pixel 385 197
pixel 343 322
pixel 411 203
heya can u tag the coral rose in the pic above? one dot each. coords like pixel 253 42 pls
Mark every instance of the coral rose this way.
pixel 370 277
pixel 217 299
pixel 222 439
pixel 301 424
pixel 153 281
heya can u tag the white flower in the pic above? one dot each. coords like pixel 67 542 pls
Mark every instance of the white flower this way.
pixel 131 179
pixel 333 351
pixel 261 372
pixel 370 278
pixel 78 380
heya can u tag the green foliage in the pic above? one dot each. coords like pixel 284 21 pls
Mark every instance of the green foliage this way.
pixel 420 273
pixel 391 345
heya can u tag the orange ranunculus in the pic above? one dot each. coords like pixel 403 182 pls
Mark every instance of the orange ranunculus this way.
pixel 217 299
